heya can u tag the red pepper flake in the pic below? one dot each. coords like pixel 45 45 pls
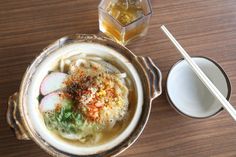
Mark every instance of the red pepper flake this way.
pixel 98 104
pixel 58 108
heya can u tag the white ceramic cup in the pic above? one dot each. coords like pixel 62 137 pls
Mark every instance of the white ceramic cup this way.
pixel 189 96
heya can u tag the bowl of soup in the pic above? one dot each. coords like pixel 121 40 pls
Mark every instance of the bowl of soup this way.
pixel 84 95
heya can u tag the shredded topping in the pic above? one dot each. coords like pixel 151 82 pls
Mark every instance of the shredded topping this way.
pixel 100 96
pixel 94 97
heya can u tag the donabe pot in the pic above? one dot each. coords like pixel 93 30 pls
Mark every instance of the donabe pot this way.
pixel 23 114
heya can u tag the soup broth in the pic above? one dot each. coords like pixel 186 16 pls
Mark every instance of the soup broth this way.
pixel 87 100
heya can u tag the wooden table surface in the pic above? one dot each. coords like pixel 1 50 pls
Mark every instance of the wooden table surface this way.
pixel 203 27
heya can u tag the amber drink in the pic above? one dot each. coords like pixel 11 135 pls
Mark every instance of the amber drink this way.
pixel 124 20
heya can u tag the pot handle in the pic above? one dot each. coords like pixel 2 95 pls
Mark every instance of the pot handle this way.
pixel 14 119
pixel 153 74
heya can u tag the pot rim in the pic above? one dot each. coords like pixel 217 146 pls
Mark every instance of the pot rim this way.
pixel 141 72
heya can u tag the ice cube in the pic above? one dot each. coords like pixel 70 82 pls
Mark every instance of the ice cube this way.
pixel 138 4
pixel 124 19
pixel 132 2
pixel 114 13
pixel 124 4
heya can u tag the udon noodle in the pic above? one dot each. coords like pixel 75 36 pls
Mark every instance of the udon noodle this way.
pixel 86 99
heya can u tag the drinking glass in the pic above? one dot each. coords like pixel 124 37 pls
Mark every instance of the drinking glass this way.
pixel 124 20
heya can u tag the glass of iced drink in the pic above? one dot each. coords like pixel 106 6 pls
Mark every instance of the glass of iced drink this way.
pixel 124 20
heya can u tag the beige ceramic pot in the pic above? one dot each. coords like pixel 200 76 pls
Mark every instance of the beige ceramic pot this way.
pixel 23 113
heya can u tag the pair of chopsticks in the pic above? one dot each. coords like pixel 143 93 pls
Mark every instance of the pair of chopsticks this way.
pixel 215 92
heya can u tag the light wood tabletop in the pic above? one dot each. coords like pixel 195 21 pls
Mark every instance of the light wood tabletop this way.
pixel 203 27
